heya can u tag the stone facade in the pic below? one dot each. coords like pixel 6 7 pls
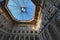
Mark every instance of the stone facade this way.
pixel 49 28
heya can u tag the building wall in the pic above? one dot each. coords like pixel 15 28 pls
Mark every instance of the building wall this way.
pixel 49 30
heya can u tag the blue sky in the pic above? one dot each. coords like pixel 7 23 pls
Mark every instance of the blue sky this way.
pixel 15 9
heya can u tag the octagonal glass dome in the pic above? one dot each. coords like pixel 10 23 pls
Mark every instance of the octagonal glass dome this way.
pixel 21 9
